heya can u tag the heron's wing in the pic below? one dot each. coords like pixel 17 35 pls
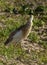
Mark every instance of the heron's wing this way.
pixel 17 30
pixel 12 34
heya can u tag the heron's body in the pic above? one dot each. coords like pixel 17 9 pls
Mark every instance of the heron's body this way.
pixel 21 33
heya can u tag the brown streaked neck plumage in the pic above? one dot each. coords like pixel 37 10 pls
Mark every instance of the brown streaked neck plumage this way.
pixel 30 21
pixel 31 18
pixel 27 28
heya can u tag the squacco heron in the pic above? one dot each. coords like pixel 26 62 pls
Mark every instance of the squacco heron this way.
pixel 21 33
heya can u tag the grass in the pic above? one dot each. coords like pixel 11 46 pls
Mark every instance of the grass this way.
pixel 13 22
pixel 34 37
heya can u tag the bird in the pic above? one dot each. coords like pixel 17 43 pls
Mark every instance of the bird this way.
pixel 21 33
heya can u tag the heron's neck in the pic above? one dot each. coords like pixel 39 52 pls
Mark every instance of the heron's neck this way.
pixel 29 23
pixel 31 19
